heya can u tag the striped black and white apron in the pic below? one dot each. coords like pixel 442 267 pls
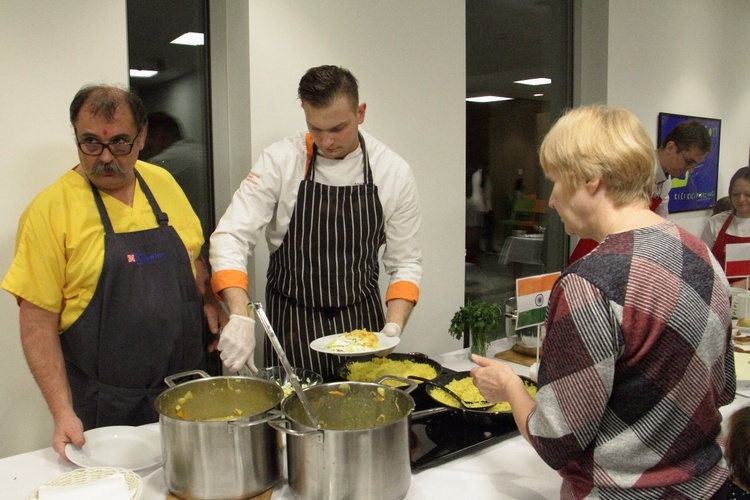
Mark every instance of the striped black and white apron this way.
pixel 323 279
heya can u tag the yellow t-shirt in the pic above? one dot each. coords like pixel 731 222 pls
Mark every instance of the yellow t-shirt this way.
pixel 60 240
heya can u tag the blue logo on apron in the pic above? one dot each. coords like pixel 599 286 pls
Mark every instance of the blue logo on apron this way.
pixel 142 258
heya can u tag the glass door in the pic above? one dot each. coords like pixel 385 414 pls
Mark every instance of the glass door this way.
pixel 518 81
pixel 169 70
pixel 168 40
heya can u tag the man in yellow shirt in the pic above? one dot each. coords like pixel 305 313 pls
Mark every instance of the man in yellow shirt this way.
pixel 108 276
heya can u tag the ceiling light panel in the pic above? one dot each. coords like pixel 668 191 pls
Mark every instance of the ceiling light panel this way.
pixel 142 73
pixel 534 81
pixel 488 98
pixel 190 38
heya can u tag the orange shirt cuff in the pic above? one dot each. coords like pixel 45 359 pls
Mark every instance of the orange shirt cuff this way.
pixel 403 290
pixel 228 279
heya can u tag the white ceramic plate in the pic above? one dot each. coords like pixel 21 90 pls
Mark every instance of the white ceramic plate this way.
pixel 387 344
pixel 132 448
pixel 742 368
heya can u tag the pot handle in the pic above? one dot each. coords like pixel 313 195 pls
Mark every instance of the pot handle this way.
pixel 170 380
pixel 282 425
pixel 411 383
pixel 270 415
pixel 430 411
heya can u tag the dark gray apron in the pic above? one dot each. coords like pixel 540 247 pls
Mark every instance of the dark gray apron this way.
pixel 323 279
pixel 143 323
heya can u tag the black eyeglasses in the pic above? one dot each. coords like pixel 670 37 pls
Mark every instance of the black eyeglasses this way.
pixel 690 163
pixel 117 148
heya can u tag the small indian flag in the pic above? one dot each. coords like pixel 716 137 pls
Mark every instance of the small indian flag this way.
pixel 737 260
pixel 532 295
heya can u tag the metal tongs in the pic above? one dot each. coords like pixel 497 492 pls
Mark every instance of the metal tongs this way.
pixel 285 363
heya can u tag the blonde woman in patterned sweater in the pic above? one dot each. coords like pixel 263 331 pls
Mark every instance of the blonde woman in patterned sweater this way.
pixel 637 358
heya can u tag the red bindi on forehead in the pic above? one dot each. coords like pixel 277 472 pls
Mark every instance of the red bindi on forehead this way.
pixel 105 132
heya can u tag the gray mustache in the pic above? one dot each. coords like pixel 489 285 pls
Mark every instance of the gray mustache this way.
pixel 111 166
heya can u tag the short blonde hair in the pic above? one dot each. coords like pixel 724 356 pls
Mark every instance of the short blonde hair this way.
pixel 601 142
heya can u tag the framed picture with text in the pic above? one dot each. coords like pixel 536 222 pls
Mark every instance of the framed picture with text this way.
pixel 696 190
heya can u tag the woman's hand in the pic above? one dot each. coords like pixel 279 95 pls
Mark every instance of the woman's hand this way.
pixel 493 378
pixel 498 382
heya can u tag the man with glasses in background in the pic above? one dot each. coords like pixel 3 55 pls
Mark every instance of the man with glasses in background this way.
pixel 108 276
pixel 683 150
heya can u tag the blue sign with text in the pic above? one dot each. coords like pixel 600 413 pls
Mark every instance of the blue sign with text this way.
pixel 695 190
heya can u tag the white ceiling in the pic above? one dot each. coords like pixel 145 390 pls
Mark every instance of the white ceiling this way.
pixel 152 25
pixel 505 42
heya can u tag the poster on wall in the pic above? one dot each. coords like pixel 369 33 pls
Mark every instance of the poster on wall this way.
pixel 695 190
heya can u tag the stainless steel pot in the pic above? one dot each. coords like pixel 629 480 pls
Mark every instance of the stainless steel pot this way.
pixel 362 448
pixel 215 438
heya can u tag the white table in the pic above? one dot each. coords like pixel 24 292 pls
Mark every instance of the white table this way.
pixel 509 469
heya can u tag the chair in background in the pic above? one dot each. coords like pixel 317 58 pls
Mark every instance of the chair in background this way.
pixel 528 212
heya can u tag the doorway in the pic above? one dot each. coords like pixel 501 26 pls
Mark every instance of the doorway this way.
pixel 170 42
pixel 510 233
pixel 177 94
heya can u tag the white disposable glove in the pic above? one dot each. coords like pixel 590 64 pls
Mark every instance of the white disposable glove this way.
pixel 392 330
pixel 534 372
pixel 237 343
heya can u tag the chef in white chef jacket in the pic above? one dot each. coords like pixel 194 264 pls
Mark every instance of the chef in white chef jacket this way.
pixel 329 200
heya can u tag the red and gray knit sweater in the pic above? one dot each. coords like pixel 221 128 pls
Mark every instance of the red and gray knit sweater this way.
pixel 637 361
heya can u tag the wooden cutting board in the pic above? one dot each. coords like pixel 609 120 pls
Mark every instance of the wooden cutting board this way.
pixel 515 357
pixel 266 495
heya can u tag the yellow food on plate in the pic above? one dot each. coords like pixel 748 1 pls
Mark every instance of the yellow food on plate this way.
pixel 355 341
pixel 743 322
pixel 370 371
pixel 466 390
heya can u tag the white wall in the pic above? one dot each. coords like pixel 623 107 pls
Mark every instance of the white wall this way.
pixel 48 50
pixel 688 57
pixel 409 58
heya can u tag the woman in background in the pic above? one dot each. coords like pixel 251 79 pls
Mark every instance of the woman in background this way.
pixel 722 205
pixel 637 358
pixel 732 226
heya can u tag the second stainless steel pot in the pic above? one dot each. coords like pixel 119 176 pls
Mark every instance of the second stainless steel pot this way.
pixel 216 442
pixel 362 448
